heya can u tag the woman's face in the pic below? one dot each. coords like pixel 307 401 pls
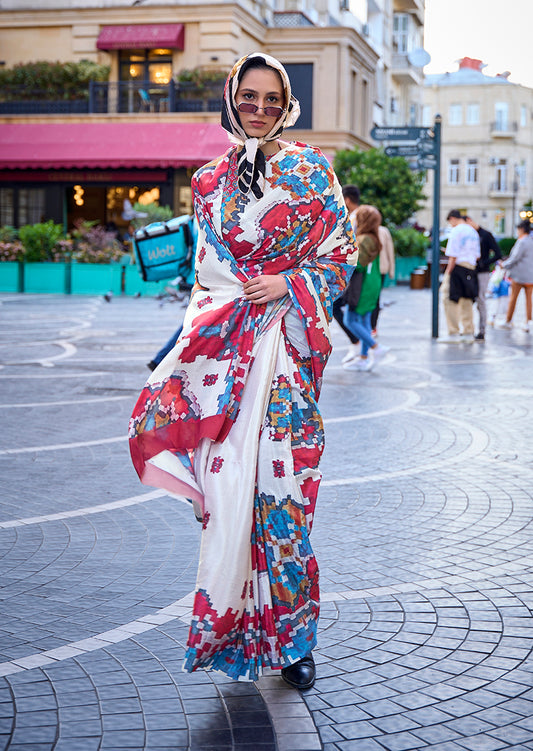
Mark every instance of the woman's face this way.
pixel 262 87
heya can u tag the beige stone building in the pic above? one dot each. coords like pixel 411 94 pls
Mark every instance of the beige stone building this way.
pixel 139 134
pixel 487 145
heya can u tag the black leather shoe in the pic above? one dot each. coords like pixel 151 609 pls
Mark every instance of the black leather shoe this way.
pixel 152 365
pixel 301 674
pixel 480 337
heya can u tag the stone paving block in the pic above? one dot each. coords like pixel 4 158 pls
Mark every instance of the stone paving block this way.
pixel 77 744
pixel 34 735
pixel 483 742
pixel 35 719
pixel 81 729
pixel 363 744
pixel 300 742
pixel 358 729
pixel 126 739
pixel 394 723
pixel 401 741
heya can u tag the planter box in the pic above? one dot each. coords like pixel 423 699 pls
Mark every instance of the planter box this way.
pixel 50 278
pixel 96 278
pixel 76 279
pixel 405 265
pixel 134 284
pixel 11 276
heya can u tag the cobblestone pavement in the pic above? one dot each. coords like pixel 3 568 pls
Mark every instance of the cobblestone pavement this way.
pixel 423 535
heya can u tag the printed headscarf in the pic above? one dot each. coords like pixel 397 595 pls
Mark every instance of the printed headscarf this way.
pixel 251 160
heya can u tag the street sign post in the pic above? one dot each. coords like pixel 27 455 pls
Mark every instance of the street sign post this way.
pixel 426 149
pixel 435 250
pixel 409 133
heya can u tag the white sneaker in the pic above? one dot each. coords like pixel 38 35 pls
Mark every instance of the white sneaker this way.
pixel 379 352
pixel 353 351
pixel 467 338
pixel 360 363
pixel 450 339
pixel 526 327
pixel 505 325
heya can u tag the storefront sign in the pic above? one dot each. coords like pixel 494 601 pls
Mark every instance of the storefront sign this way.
pixel 84 176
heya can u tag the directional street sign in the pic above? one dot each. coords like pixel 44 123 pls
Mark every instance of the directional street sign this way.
pixel 402 150
pixel 428 161
pixel 408 133
pixel 426 147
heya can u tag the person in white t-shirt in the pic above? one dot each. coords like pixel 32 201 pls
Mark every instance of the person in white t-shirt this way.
pixel 459 287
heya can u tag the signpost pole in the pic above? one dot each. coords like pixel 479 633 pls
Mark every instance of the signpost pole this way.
pixel 435 252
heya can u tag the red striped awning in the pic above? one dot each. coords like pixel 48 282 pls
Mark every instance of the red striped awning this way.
pixel 56 146
pixel 142 36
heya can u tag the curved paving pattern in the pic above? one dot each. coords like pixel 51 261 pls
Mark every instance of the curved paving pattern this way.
pixel 423 535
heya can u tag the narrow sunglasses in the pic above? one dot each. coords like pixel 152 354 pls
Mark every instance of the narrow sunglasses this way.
pixel 252 109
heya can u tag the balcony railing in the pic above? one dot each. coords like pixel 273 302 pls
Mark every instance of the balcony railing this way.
pixel 505 129
pixel 112 97
pixel 500 189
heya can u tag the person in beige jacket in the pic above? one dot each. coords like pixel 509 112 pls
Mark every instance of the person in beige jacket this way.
pixel 387 266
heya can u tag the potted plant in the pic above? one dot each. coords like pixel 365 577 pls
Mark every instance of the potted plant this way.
pixel 200 89
pixel 96 253
pixel 410 248
pixel 45 263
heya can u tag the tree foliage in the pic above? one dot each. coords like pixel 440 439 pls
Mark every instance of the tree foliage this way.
pixel 384 181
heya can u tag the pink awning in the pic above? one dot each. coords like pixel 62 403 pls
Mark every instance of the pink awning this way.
pixel 142 36
pixel 110 145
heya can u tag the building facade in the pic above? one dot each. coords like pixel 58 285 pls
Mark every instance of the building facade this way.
pixel 487 145
pixel 349 63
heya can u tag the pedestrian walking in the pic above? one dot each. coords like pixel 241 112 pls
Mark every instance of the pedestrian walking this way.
pixel 459 288
pixel 352 199
pixel 165 349
pixel 387 268
pixel 519 267
pixel 489 253
pixel 358 313
pixel 229 420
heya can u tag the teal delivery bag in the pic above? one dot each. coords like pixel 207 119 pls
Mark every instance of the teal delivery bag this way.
pixel 165 250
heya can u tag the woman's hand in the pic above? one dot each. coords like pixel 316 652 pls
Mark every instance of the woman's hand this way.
pixel 264 288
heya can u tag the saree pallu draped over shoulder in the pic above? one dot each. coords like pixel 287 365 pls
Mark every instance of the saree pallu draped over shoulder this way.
pixel 229 420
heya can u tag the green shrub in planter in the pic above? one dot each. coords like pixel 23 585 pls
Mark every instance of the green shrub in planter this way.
pixel 92 243
pixel 154 213
pixel 40 240
pixel 50 81
pixel 506 243
pixel 409 242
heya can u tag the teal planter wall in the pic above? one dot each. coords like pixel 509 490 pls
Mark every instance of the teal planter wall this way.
pixel 50 278
pixel 76 279
pixel 96 278
pixel 405 265
pixel 134 284
pixel 11 276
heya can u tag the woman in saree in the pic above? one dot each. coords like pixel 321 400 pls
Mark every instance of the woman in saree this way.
pixel 229 419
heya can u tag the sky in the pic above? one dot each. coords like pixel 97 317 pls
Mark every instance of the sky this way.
pixel 499 33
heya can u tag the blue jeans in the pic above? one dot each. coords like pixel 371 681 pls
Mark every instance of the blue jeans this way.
pixel 163 352
pixel 360 325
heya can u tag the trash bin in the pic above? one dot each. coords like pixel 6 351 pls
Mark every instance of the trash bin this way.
pixel 418 279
